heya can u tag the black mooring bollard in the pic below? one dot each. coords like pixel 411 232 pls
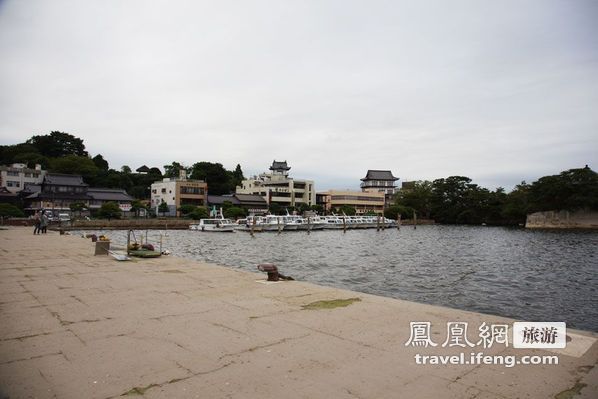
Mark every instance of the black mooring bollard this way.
pixel 270 269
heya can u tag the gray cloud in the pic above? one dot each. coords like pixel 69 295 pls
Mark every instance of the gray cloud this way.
pixel 497 91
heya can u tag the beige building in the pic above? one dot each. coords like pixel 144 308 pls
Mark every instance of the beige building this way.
pixel 363 202
pixel 177 192
pixel 15 176
pixel 277 187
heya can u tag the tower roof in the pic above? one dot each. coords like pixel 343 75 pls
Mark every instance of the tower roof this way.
pixel 279 165
pixel 379 175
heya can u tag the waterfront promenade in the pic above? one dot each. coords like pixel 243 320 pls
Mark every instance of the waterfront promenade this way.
pixel 74 325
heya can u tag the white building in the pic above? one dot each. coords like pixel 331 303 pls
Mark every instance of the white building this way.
pixel 177 192
pixel 15 176
pixel 276 187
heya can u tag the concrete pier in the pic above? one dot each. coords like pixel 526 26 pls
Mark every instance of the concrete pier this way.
pixel 74 325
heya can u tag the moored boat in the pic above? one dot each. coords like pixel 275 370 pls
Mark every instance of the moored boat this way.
pixel 214 225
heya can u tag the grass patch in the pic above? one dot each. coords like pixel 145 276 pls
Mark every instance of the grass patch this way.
pixel 330 304
pixel 139 390
pixel 570 393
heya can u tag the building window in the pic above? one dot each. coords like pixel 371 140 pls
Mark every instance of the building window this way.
pixel 163 191
pixel 192 190
pixel 12 173
pixel 11 183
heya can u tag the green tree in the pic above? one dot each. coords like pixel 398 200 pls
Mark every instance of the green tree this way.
pixel 109 210
pixel 58 144
pixel 125 169
pixel 155 173
pixel 276 209
pixel 8 153
pixel 100 162
pixel 394 211
pixel 137 206
pixel 76 165
pixel 214 174
pixel 419 198
pixel 78 207
pixel 448 199
pixel 234 212
pixel 516 205
pixel 346 210
pixel 9 210
pixel 303 207
pixel 186 209
pixel 199 213
pixel 173 169
pixel 237 176
pixel 31 159
pixel 318 208
pixel 570 190
pixel 163 208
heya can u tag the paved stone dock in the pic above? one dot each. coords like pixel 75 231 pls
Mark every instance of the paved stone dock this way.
pixel 74 325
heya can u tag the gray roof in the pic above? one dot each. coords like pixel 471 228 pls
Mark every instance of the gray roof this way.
pixel 220 199
pixel 278 165
pixel 32 188
pixel 58 179
pixel 252 199
pixel 4 192
pixel 109 194
pixel 379 175
pixel 143 169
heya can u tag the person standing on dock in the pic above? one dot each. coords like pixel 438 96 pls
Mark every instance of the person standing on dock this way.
pixel 43 223
pixel 36 223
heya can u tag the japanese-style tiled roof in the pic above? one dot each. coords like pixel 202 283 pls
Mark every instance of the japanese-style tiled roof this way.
pixel 109 194
pixel 251 199
pixel 143 169
pixel 4 192
pixel 58 179
pixel 277 165
pixel 379 175
pixel 32 188
pixel 69 196
pixel 220 199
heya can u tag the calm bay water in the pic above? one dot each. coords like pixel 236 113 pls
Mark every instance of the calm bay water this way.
pixel 528 275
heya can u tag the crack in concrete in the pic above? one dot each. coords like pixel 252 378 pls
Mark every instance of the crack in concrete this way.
pixel 337 336
pixel 21 338
pixel 159 318
pixel 258 347
pixel 79 300
pixel 229 328
pixel 141 390
pixel 31 358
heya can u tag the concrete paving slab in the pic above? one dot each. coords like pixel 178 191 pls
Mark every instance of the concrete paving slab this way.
pixel 75 325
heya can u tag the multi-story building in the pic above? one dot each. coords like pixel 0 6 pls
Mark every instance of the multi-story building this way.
pixel 15 176
pixel 362 202
pixel 381 181
pixel 57 192
pixel 276 187
pixel 177 192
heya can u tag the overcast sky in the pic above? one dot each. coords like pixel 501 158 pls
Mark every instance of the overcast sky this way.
pixel 499 91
